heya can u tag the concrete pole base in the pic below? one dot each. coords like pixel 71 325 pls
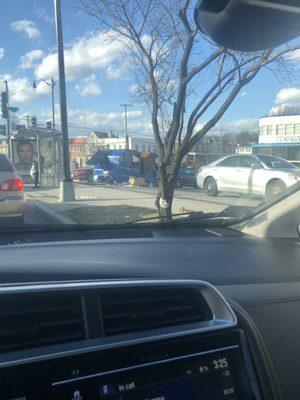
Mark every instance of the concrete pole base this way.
pixel 66 191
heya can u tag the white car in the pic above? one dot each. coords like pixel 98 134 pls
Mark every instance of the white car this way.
pixel 11 190
pixel 252 174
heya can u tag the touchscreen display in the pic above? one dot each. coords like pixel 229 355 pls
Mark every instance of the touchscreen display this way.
pixel 217 375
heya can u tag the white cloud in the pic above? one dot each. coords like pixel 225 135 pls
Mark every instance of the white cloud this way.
pixel 284 109
pixel 29 60
pixel 288 95
pixel 21 90
pixel 42 13
pixel 287 102
pixel 86 55
pixel 88 86
pixel 2 51
pixel 243 124
pixel 137 121
pixel 115 72
pixel 243 93
pixel 27 27
pixel 134 89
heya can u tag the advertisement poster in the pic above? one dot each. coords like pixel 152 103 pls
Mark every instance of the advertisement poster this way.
pixel 23 153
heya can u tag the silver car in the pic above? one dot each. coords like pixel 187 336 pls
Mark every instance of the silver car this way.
pixel 11 190
pixel 251 174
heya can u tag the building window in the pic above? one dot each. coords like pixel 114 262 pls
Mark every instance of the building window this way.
pixel 280 129
pixel 120 146
pixel 136 146
pixel 107 146
pixel 289 129
pixel 297 129
pixel 269 129
pixel 149 148
pixel 143 148
pixel 191 158
pixel 263 130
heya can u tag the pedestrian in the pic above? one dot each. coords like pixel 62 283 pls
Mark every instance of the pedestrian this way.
pixel 34 173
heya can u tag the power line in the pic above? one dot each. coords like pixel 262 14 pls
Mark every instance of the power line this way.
pixel 74 126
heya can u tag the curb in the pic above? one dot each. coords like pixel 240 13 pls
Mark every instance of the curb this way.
pixel 50 212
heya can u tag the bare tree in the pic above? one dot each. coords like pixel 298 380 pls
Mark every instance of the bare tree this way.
pixel 93 145
pixel 180 75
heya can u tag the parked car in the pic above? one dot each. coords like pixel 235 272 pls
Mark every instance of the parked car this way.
pixel 83 174
pixel 252 174
pixel 101 175
pixel 11 190
pixel 186 177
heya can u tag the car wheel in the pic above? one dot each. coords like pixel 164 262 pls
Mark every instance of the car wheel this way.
pixel 100 179
pixel 178 183
pixel 210 186
pixel 109 180
pixel 275 187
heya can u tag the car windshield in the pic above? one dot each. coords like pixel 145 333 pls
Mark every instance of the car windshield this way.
pixel 116 112
pixel 276 162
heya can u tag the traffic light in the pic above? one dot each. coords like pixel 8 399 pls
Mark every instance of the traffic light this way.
pixel 49 125
pixel 4 108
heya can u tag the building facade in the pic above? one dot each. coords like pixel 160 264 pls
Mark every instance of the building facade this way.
pixel 279 136
pixel 3 146
pixel 78 151
pixel 108 141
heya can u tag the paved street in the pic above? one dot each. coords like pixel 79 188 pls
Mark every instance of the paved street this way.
pixel 43 206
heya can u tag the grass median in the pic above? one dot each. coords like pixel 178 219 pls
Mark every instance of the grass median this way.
pixel 103 215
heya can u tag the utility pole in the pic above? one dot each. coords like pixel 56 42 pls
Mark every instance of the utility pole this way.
pixel 66 192
pixel 7 120
pixel 126 128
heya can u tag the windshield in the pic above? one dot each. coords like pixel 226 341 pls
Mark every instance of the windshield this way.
pixel 148 120
pixel 276 162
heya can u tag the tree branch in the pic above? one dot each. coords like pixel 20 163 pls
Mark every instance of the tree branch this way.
pixel 194 71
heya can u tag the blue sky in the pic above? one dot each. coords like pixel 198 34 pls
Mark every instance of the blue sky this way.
pixel 97 85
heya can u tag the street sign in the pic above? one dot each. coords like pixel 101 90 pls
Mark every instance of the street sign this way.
pixel 13 109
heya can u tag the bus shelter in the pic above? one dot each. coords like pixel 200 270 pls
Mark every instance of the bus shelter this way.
pixel 39 145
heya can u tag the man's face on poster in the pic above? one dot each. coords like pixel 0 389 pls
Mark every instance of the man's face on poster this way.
pixel 25 153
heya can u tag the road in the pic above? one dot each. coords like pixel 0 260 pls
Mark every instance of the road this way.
pixel 188 198
pixel 185 199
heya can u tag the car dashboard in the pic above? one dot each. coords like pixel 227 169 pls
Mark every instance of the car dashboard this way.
pixel 162 317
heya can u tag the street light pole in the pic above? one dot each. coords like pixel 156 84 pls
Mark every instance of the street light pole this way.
pixel 126 127
pixel 66 192
pixel 53 105
pixel 51 84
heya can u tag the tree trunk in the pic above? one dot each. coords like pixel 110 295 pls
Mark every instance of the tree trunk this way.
pixel 165 195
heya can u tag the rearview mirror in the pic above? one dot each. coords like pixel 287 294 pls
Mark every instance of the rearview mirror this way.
pixel 249 25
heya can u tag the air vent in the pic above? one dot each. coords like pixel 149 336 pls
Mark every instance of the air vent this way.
pixel 136 309
pixel 39 319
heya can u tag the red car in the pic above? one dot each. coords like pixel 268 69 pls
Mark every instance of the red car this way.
pixel 83 174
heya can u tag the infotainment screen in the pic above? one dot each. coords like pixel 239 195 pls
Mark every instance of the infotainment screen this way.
pixel 212 375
